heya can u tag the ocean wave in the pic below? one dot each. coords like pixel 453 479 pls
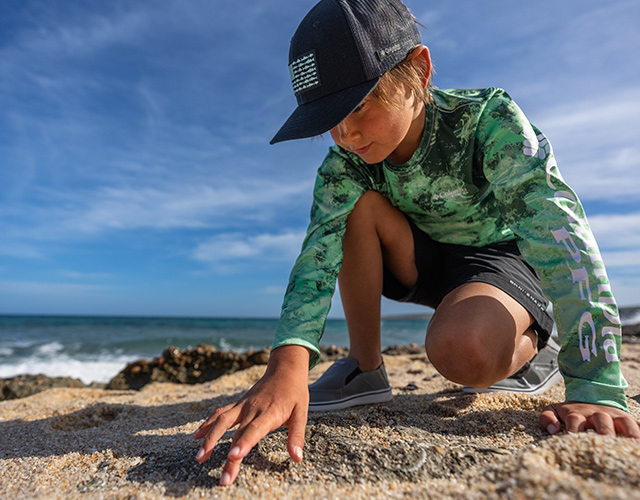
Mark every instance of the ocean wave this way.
pixel 95 369
pixel 225 345
pixel 49 348
pixel 17 344
pixel 632 319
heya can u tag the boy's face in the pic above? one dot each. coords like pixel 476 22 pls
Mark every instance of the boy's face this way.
pixel 376 132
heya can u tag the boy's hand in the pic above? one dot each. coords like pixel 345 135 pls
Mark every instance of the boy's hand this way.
pixel 280 397
pixel 578 417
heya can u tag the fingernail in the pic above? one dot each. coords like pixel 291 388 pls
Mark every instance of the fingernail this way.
pixel 552 428
pixel 297 451
pixel 225 479
pixel 235 451
pixel 200 454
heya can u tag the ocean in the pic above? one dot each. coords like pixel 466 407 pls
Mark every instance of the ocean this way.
pixel 95 348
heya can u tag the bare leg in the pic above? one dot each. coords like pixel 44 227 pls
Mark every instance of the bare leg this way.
pixel 477 336
pixel 377 232
pixel 480 335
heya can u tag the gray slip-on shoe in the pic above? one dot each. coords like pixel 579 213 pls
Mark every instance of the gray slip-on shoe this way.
pixel 344 385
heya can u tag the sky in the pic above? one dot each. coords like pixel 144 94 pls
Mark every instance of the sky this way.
pixel 136 176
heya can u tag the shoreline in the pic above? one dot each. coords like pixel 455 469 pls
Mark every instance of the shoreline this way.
pixel 179 366
pixel 184 366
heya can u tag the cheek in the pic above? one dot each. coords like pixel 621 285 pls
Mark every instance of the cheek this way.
pixel 392 130
pixel 335 135
pixel 403 122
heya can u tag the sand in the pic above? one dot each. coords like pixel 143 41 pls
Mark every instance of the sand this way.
pixel 430 441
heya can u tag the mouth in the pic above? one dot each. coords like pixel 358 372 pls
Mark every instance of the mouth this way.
pixel 361 151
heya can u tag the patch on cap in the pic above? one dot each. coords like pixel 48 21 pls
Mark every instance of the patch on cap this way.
pixel 389 51
pixel 304 73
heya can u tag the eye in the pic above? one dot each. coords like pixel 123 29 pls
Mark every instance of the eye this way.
pixel 360 106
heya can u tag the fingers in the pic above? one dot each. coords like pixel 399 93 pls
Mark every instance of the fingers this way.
pixel 575 422
pixel 549 420
pixel 614 425
pixel 214 428
pixel 254 425
pixel 280 396
pixel 245 438
pixel 297 426
pixel 602 423
pixel 579 417
pixel 204 428
pixel 232 466
pixel 629 427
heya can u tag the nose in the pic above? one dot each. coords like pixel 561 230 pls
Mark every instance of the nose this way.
pixel 347 131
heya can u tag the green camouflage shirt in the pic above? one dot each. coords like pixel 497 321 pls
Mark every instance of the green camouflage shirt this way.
pixel 482 174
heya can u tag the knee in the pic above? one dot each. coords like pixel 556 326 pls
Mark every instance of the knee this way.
pixel 368 204
pixel 371 197
pixel 463 359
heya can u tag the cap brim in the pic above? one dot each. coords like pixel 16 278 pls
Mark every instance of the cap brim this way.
pixel 319 116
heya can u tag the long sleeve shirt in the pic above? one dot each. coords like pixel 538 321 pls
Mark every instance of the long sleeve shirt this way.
pixel 481 174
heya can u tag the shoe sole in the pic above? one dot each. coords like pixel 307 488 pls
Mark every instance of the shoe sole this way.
pixel 552 380
pixel 355 400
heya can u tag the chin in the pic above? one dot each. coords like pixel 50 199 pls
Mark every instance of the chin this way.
pixel 371 159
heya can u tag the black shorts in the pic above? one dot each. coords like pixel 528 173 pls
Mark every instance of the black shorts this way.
pixel 442 267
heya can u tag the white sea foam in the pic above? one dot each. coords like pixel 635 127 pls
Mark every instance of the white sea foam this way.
pixel 18 344
pixel 49 349
pixel 633 320
pixel 95 369
pixel 224 345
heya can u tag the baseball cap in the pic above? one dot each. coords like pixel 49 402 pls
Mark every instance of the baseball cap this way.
pixel 337 56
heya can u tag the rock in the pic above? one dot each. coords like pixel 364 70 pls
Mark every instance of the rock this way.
pixel 401 350
pixel 200 364
pixel 189 366
pixel 22 386
pixel 630 331
pixel 332 353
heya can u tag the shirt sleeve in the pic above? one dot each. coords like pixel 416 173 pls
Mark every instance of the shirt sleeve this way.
pixel 339 185
pixel 555 239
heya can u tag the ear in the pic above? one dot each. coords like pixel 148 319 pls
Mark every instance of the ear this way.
pixel 422 57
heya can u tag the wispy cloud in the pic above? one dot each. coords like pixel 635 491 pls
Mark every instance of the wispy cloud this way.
pixel 82 276
pixel 183 207
pixel 48 289
pixel 617 231
pixel 114 124
pixel 134 138
pixel 627 261
pixel 20 250
pixel 83 214
pixel 237 247
pixel 596 147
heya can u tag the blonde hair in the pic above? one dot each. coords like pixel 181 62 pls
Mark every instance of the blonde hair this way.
pixel 409 72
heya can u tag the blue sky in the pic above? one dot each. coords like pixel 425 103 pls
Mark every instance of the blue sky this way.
pixel 136 176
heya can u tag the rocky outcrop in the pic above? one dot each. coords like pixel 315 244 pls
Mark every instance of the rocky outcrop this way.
pixel 188 366
pixel 629 331
pixel 22 386
pixel 201 364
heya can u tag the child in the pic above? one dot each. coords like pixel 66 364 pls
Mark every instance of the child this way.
pixel 449 199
